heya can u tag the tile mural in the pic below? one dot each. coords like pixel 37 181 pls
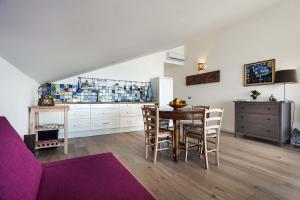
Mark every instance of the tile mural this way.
pixel 100 90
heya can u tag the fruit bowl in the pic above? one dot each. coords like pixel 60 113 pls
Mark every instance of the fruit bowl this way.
pixel 177 103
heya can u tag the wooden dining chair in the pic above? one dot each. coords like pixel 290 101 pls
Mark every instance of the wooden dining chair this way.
pixel 208 134
pixel 155 136
pixel 193 123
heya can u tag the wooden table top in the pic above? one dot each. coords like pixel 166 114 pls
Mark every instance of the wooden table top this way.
pixel 181 114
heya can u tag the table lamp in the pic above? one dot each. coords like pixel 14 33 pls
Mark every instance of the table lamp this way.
pixel 286 76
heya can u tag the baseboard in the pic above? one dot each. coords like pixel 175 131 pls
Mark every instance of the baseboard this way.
pixel 226 130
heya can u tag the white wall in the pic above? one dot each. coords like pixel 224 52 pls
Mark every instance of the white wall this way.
pixel 273 33
pixel 18 91
pixel 139 69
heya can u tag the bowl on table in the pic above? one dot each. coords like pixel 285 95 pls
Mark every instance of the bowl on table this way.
pixel 177 103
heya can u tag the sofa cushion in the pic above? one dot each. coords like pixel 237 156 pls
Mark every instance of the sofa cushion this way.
pixel 92 177
pixel 20 172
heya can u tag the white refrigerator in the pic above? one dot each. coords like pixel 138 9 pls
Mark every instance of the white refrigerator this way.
pixel 162 88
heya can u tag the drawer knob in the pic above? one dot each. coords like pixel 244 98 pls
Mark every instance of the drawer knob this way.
pixel 268 131
pixel 268 119
pixel 242 116
pixel 242 126
pixel 268 108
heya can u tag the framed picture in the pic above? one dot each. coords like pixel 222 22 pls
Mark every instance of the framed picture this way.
pixel 259 73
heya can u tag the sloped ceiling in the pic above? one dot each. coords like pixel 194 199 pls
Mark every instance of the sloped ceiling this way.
pixel 54 39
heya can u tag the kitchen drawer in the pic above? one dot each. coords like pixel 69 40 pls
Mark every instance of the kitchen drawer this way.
pixel 104 123
pixel 129 105
pixel 79 114
pixel 267 108
pixel 80 106
pixel 105 106
pixel 79 125
pixel 128 121
pixel 128 112
pixel 105 113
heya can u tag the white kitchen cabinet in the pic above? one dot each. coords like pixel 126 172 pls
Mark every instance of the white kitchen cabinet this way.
pixel 98 119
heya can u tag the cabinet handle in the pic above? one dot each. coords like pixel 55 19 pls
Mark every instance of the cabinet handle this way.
pixel 268 131
pixel 242 126
pixel 242 116
pixel 268 108
pixel 106 123
pixel 268 119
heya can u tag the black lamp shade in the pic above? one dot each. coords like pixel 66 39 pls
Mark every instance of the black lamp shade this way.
pixel 286 76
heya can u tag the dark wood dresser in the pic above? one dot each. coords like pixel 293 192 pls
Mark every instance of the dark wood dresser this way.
pixel 266 120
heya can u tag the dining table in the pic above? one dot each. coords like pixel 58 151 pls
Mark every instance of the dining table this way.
pixel 177 115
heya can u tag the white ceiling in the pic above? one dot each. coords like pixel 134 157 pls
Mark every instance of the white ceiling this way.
pixel 55 39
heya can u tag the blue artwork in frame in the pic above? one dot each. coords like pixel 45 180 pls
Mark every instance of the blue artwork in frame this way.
pixel 259 73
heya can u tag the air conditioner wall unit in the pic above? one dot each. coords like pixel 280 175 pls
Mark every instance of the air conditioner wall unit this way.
pixel 173 56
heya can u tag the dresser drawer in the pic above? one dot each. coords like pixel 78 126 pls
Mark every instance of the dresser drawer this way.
pixel 251 118
pixel 267 108
pixel 128 121
pixel 104 123
pixel 105 113
pixel 259 130
pixel 128 112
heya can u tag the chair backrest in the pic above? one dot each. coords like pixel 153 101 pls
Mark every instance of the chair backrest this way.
pixel 151 118
pixel 20 172
pixel 213 120
pixel 199 107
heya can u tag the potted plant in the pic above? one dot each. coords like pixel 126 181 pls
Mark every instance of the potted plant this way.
pixel 254 94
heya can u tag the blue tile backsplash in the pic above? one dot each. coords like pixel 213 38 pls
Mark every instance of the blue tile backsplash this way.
pixel 100 90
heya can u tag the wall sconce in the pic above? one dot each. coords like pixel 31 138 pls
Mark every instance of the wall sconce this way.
pixel 201 66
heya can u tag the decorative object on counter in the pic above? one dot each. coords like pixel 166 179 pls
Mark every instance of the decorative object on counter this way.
pixel 45 90
pixel 201 66
pixel 103 90
pixel 295 138
pixel 286 76
pixel 259 73
pixel 272 98
pixel 209 77
pixel 255 94
pixel 177 103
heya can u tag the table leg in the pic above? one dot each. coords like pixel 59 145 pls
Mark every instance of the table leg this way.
pixel 176 140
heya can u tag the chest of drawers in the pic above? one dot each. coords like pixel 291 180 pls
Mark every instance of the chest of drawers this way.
pixel 266 120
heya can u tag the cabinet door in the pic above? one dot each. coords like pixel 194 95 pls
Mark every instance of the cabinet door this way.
pixel 128 121
pixel 79 125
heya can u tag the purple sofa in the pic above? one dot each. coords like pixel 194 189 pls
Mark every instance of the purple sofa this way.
pixel 92 177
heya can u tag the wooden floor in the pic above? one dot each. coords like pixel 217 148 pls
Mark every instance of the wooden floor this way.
pixel 248 169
